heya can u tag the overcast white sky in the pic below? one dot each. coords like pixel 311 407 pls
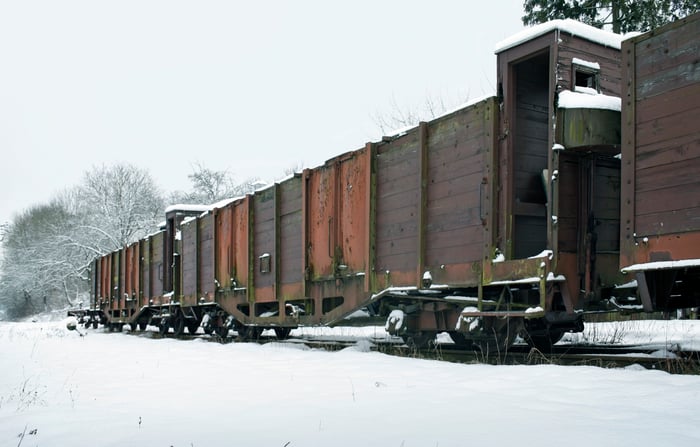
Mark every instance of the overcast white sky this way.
pixel 255 87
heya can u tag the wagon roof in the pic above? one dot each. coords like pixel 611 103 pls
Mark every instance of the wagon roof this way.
pixel 606 38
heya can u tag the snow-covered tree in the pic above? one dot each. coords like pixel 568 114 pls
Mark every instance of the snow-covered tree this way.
pixel 621 15
pixel 48 248
pixel 118 205
pixel 40 270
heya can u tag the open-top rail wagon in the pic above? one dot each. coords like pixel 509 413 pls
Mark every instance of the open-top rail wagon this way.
pixel 500 218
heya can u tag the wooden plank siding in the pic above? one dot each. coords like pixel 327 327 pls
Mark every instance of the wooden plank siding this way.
pixel 661 142
pixel 667 106
pixel 264 243
pixel 188 258
pixel 571 47
pixel 156 264
pixel 205 257
pixel 397 199
pixel 224 265
pixel 430 198
pixel 145 271
pixel 289 259
pixel 458 151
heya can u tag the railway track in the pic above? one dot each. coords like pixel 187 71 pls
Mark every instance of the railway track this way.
pixel 606 356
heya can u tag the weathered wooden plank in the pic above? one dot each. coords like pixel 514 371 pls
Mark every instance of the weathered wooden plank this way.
pixel 664 128
pixel 668 200
pixel 206 255
pixel 677 221
pixel 677 101
pixel 290 190
pixel 451 255
pixel 291 252
pixel 673 150
pixel 466 185
pixel 668 175
pixel 667 59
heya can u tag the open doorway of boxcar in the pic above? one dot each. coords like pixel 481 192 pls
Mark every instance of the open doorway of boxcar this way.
pixel 530 155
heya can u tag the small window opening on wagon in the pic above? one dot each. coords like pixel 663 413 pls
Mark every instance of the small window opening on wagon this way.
pixel 585 75
pixel 265 263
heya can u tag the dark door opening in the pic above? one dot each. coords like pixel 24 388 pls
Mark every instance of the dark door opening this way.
pixel 530 155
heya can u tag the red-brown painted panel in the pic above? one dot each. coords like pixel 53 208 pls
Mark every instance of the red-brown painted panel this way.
pixel 336 208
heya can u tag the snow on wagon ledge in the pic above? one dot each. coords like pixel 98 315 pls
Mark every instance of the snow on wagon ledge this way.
pixel 578 100
pixel 662 265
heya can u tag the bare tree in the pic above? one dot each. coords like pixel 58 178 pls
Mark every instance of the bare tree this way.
pixel 402 117
pixel 211 186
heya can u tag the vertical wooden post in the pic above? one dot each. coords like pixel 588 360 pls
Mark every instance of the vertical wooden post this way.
pixel 250 287
pixel 422 212
pixel 627 188
pixel 304 230
pixel 370 216
pixel 277 233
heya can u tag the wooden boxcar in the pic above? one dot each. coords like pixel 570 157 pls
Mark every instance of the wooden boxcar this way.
pixel 661 164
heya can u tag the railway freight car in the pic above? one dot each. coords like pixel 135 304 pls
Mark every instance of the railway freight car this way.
pixel 497 219
pixel 661 165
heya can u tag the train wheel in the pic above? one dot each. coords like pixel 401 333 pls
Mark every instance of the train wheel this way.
pixel 192 326
pixel 459 339
pixel 94 324
pixel 210 330
pixel 282 333
pixel 143 325
pixel 249 333
pixel 420 340
pixel 164 326
pixel 221 331
pixel 178 325
pixel 544 341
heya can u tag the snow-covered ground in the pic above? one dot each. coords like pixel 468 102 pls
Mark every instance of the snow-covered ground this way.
pixel 58 388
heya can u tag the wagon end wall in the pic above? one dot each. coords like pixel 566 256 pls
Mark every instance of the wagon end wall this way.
pixel 661 144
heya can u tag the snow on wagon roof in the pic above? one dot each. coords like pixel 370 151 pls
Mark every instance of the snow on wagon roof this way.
pixel 188 207
pixel 607 38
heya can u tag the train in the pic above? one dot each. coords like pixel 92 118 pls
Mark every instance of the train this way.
pixel 572 190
